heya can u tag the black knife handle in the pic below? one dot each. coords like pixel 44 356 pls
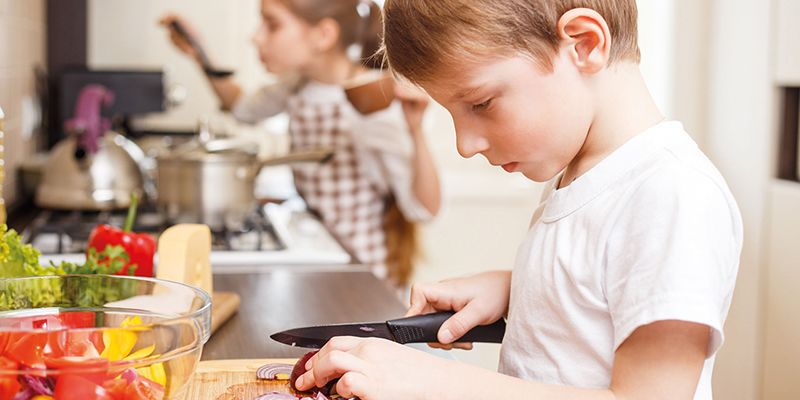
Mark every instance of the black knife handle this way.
pixel 424 329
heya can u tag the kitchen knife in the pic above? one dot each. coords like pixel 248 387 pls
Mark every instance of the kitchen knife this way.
pixel 417 329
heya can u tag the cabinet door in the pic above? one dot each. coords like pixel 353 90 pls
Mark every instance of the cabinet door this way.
pixel 782 348
pixel 787 40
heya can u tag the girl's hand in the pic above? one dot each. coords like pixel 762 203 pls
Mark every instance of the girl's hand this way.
pixel 477 300
pixel 378 369
pixel 415 102
pixel 178 40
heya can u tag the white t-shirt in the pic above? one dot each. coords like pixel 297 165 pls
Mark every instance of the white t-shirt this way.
pixel 651 233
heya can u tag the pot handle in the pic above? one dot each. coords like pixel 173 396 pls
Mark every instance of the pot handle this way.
pixel 320 156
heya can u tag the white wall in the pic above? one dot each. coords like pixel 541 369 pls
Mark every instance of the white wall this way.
pixel 740 131
pixel 125 34
pixel 22 47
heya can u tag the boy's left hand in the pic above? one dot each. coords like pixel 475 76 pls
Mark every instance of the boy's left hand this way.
pixel 377 369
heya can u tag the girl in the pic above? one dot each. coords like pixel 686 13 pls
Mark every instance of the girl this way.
pixel 382 176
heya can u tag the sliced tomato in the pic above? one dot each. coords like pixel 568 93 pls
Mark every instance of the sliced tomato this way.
pixel 74 387
pixel 3 341
pixel 144 389
pixel 27 349
pixel 96 337
pixel 116 388
pixel 93 369
pixel 77 319
pixel 9 386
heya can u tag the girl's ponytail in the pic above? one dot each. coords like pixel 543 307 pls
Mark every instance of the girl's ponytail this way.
pixel 373 37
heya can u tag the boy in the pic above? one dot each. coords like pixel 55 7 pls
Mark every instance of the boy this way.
pixel 623 283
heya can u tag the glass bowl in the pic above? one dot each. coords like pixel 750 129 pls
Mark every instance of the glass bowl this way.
pixel 100 337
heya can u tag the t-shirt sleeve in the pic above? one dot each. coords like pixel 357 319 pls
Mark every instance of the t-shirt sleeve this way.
pixel 673 255
pixel 388 150
pixel 265 102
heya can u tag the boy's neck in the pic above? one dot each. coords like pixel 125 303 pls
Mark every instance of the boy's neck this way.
pixel 332 67
pixel 623 109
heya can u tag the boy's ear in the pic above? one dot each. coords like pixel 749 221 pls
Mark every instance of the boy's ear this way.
pixel 587 37
pixel 326 34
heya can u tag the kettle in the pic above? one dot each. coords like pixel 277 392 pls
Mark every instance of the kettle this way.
pixel 94 168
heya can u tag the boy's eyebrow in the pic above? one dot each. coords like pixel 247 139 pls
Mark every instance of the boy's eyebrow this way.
pixel 467 92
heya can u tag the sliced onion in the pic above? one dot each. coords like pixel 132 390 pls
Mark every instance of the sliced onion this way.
pixel 38 385
pixel 276 396
pixel 273 372
pixel 130 375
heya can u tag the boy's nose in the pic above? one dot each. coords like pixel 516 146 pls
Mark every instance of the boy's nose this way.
pixel 470 143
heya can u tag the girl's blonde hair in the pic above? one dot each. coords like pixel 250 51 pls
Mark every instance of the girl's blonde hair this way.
pixel 353 28
pixel 424 37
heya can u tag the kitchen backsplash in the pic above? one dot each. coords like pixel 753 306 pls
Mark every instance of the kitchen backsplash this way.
pixel 22 49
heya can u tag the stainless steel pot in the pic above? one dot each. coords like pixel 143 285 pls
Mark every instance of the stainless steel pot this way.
pixel 76 180
pixel 198 185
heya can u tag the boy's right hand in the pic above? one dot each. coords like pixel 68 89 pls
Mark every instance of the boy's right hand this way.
pixel 477 300
pixel 177 39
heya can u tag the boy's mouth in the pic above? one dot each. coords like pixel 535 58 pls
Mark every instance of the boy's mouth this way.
pixel 510 167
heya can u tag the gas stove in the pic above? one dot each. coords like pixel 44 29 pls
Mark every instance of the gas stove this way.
pixel 58 232
pixel 272 235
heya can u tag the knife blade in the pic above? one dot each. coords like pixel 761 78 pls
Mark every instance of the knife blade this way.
pixel 416 329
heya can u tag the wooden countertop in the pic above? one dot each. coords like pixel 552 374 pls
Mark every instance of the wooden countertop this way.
pixel 281 299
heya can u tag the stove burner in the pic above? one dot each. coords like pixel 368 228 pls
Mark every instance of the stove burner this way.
pixel 60 232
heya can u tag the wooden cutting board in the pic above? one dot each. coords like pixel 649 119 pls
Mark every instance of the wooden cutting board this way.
pixel 234 380
pixel 223 306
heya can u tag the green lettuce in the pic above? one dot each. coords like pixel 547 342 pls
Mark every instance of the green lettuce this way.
pixel 18 260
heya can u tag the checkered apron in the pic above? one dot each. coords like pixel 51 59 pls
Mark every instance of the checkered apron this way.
pixel 350 205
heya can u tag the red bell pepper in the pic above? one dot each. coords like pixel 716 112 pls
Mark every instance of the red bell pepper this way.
pixel 140 247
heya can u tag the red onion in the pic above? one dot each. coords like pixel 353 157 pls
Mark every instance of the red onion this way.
pixel 276 396
pixel 300 368
pixel 38 385
pixel 270 371
pixel 130 375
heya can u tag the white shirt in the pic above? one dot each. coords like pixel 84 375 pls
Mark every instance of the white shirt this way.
pixel 382 139
pixel 651 233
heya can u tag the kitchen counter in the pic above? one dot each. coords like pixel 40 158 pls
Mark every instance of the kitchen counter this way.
pixel 294 237
pixel 281 299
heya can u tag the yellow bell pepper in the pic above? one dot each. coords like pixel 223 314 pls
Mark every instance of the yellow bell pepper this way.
pixel 120 342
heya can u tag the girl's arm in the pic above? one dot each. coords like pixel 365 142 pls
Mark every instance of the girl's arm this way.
pixel 227 89
pixel 425 181
pixel 662 360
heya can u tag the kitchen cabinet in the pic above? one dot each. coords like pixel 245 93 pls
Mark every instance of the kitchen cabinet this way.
pixel 787 45
pixel 782 322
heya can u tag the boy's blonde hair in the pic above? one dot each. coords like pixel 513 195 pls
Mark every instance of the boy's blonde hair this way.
pixel 424 37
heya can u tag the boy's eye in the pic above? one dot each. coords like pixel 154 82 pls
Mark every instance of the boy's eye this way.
pixel 481 106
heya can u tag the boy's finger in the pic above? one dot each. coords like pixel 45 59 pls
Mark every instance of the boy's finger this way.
pixel 459 324
pixel 461 346
pixel 338 343
pixel 418 300
pixel 328 367
pixel 354 385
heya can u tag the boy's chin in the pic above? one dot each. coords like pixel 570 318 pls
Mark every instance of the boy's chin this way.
pixel 539 174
